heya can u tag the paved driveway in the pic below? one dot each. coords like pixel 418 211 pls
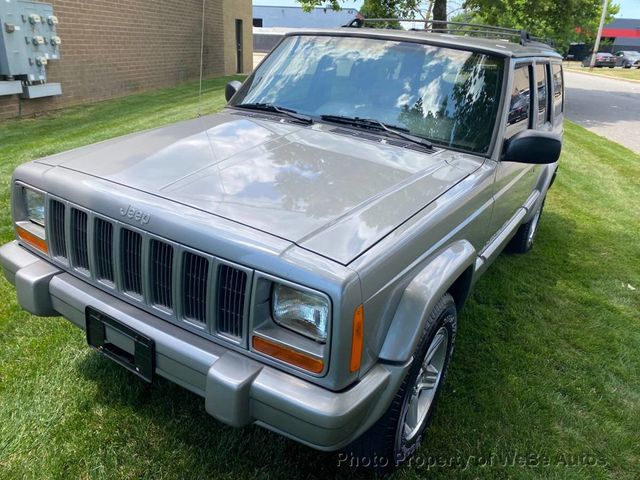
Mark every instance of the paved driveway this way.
pixel 608 107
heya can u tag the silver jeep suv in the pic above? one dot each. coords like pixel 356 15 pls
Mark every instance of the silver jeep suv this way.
pixel 300 259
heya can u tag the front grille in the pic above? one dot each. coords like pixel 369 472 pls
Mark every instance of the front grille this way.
pixel 232 284
pixel 57 240
pixel 131 264
pixel 169 280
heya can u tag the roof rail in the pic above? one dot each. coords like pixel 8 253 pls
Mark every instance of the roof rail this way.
pixel 460 28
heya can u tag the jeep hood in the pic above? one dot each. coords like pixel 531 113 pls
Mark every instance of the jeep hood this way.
pixel 319 188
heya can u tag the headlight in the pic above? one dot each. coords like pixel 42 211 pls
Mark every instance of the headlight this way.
pixel 303 312
pixel 34 202
pixel 30 217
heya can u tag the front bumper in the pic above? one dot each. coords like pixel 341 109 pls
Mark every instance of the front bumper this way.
pixel 237 390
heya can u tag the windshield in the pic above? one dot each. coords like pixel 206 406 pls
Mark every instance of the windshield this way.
pixel 448 96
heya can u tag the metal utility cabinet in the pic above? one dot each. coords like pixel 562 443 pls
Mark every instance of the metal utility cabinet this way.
pixel 28 42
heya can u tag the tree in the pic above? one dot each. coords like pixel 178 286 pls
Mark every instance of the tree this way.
pixel 388 9
pixel 563 21
pixel 383 8
pixel 440 10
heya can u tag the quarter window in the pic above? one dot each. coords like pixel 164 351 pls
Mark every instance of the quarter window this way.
pixel 520 104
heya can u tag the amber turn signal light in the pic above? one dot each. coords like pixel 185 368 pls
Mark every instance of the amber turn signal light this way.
pixel 32 239
pixel 357 338
pixel 286 354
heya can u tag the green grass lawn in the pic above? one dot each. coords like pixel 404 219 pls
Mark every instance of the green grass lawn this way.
pixel 623 73
pixel 545 380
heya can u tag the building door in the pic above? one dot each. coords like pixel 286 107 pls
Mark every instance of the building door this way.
pixel 239 46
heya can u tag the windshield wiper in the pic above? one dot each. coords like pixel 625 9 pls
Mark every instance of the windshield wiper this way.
pixel 270 107
pixel 378 125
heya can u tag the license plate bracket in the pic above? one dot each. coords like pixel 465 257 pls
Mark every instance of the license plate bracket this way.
pixel 140 362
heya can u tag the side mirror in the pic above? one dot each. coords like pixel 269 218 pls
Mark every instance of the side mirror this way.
pixel 231 89
pixel 532 146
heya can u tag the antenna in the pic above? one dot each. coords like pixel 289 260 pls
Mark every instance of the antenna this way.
pixel 201 59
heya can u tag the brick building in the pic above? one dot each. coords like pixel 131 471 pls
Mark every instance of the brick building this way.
pixel 112 48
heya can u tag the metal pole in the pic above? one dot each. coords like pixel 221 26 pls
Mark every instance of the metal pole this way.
pixel 596 46
pixel 204 2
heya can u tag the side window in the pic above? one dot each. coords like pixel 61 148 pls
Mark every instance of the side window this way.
pixel 558 89
pixel 520 103
pixel 541 84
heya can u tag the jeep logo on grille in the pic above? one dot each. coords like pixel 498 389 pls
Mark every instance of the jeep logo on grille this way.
pixel 135 214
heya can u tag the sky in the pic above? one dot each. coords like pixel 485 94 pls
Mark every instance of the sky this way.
pixel 628 8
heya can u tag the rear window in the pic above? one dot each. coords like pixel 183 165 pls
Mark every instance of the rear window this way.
pixel 558 89
pixel 542 83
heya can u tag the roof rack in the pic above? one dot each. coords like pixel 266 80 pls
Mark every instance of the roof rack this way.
pixel 458 28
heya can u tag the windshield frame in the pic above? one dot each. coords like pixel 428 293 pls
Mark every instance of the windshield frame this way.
pixel 491 150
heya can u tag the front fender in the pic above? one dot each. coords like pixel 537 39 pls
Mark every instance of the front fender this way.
pixel 420 297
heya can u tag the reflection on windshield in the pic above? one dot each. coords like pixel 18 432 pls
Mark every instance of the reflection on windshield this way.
pixel 448 96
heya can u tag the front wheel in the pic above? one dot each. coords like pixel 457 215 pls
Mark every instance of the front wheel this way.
pixel 398 434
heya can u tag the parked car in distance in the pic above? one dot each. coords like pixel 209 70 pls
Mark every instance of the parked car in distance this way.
pixel 603 59
pixel 300 259
pixel 628 59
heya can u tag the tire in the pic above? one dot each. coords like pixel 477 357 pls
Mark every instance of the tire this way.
pixel 390 442
pixel 523 240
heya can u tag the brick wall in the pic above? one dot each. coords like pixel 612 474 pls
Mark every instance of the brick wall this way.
pixel 112 48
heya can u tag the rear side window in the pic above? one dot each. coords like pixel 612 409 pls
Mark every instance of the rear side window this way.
pixel 558 89
pixel 542 82
pixel 520 103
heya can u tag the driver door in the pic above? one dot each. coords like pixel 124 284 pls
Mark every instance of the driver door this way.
pixel 528 109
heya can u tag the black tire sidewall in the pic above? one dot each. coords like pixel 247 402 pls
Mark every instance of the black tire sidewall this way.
pixel 443 315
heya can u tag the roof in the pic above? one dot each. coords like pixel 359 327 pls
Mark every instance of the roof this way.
pixel 624 23
pixel 293 7
pixel 489 45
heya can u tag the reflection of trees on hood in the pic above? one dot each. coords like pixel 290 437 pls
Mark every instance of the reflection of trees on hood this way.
pixel 314 181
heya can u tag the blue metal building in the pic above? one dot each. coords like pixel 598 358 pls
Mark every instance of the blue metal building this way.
pixel 295 17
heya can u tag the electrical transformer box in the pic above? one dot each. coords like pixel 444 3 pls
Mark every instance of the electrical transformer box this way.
pixel 28 40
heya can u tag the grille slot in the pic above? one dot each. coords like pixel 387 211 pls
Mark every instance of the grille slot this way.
pixel 232 285
pixel 58 241
pixel 103 247
pixel 79 250
pixel 131 261
pixel 161 274
pixel 195 280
